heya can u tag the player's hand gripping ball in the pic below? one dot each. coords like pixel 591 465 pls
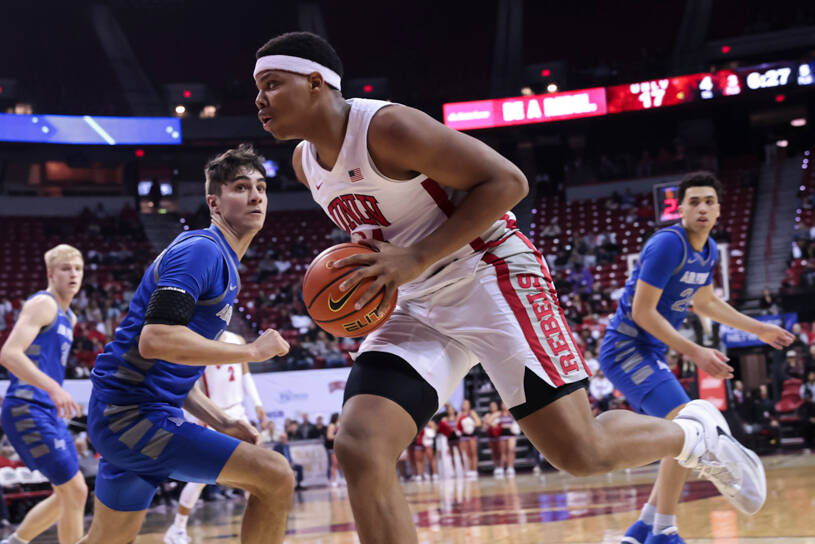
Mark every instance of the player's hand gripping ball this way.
pixel 333 310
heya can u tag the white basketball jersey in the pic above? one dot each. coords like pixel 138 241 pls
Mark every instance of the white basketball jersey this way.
pixel 368 205
pixel 224 383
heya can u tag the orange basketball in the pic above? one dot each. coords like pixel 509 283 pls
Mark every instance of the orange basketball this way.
pixel 332 309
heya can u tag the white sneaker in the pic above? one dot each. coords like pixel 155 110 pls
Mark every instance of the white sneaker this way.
pixel 498 473
pixel 510 472
pixel 174 535
pixel 417 478
pixel 736 471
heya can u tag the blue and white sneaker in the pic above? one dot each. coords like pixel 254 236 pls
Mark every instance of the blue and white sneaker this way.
pixel 637 533
pixel 668 536
pixel 736 471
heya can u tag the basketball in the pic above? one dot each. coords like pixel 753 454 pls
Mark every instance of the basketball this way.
pixel 332 309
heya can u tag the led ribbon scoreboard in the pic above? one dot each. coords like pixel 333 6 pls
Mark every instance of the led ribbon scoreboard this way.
pixel 642 95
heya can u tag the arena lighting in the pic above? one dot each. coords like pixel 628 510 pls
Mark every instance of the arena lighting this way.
pixel 367 89
pixel 526 91
pixel 725 49
pixel 546 72
pixel 782 143
pixel 552 88
pixel 180 110
pixel 187 93
pixel 139 153
pixel 780 98
pixel 90 129
pixel 799 122
pixel 208 112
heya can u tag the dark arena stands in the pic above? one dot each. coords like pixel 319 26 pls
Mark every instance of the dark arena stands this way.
pixel 109 110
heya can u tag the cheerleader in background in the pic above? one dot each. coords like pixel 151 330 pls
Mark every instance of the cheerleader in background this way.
pixel 467 422
pixel 492 427
pixel 448 426
pixel 509 437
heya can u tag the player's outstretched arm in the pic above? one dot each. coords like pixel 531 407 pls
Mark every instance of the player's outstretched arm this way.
pixel 706 303
pixel 179 344
pixel 405 140
pixel 645 314
pixel 202 407
pixel 35 314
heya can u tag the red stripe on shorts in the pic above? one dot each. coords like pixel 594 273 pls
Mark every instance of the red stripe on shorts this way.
pixel 505 284
pixel 551 286
pixel 206 386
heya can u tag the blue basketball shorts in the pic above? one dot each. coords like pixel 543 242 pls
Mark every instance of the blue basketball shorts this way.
pixel 641 374
pixel 41 439
pixel 143 445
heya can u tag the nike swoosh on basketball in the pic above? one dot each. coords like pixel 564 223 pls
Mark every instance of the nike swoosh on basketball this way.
pixel 336 305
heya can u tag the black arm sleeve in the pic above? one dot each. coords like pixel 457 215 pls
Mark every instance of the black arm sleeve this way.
pixel 169 306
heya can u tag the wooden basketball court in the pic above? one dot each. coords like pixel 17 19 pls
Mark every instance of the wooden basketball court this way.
pixel 551 509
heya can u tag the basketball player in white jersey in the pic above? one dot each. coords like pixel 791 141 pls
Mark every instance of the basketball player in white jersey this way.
pixel 471 289
pixel 226 386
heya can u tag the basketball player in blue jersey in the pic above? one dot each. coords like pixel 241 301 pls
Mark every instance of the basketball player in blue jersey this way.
pixel 675 270
pixel 434 203
pixel 35 355
pixel 145 376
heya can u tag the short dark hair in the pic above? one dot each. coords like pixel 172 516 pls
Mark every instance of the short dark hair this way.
pixel 223 168
pixel 304 45
pixel 699 179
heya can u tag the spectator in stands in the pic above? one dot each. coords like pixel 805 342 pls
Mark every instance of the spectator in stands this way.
pixel 738 393
pixel 282 447
pixel 306 430
pixel 552 230
pixel 768 302
pixel 267 434
pixel 591 360
pixel 809 359
pixel 322 346
pixel 88 462
pixel 793 365
pixel 601 389
pixel 320 426
pixel 801 338
pixel 337 236
pixel 807 409
pixel 291 428
pixel 300 319
pixel 808 388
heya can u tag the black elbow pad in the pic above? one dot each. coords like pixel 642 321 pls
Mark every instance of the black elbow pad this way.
pixel 169 306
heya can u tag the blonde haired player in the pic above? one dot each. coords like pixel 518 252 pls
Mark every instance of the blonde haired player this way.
pixel 35 355
pixel 226 385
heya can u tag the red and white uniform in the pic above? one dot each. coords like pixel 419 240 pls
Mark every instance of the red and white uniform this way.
pixel 492 301
pixel 224 385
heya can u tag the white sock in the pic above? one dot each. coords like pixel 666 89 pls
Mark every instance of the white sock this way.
pixel 181 521
pixel 693 434
pixel 14 539
pixel 663 521
pixel 647 513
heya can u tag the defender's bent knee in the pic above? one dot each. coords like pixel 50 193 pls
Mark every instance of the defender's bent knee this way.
pixel 74 492
pixel 275 477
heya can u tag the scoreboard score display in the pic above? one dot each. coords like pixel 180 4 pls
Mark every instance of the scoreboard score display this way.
pixel 666 203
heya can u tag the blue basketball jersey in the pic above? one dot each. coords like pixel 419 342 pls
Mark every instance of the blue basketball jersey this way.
pixel 670 263
pixel 49 351
pixel 200 263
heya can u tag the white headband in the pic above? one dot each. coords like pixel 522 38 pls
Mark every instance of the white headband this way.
pixel 297 65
